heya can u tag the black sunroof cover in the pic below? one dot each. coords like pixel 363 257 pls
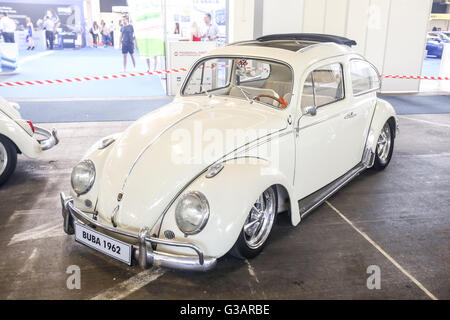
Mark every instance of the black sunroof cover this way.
pixel 315 37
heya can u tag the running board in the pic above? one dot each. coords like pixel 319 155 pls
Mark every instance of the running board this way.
pixel 315 199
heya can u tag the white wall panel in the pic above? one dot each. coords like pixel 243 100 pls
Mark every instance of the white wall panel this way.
pixel 241 15
pixel 377 25
pixel 389 33
pixel 358 11
pixel 405 50
pixel 336 17
pixel 314 15
pixel 282 16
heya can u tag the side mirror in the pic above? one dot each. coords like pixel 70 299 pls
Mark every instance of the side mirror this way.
pixel 311 111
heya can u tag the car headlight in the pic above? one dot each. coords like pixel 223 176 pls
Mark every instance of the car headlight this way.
pixel 83 177
pixel 192 212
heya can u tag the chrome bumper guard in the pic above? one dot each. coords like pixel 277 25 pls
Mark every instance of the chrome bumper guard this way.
pixel 143 252
pixel 51 138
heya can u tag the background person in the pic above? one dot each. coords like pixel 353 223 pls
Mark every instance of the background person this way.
pixel 8 26
pixel 195 32
pixel 212 30
pixel 94 31
pixel 30 31
pixel 126 41
pixel 111 32
pixel 49 27
pixel 105 33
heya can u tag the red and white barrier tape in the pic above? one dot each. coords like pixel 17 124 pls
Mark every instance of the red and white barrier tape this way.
pixel 81 79
pixel 174 70
pixel 396 76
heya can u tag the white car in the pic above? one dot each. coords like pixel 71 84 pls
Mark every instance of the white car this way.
pixel 274 125
pixel 19 136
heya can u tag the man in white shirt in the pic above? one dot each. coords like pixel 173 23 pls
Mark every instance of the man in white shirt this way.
pixel 212 30
pixel 8 26
pixel 49 26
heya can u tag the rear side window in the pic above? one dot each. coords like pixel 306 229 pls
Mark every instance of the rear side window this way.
pixel 364 77
pixel 323 86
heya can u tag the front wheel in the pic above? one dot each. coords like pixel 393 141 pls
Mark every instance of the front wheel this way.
pixel 257 226
pixel 8 159
pixel 385 147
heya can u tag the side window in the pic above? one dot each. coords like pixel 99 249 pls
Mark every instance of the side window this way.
pixel 323 86
pixel 364 77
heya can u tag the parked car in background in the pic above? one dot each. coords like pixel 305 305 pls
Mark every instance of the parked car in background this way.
pixel 435 46
pixel 19 136
pixel 261 127
pixel 442 35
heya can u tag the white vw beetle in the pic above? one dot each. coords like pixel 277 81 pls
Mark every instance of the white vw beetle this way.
pixel 19 136
pixel 273 125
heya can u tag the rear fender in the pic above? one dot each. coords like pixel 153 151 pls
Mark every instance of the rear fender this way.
pixel 25 143
pixel 383 112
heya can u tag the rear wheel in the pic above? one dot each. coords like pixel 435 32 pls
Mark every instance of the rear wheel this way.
pixel 385 147
pixel 8 159
pixel 257 226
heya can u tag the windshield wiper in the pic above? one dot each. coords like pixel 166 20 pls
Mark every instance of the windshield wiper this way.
pixel 206 92
pixel 244 93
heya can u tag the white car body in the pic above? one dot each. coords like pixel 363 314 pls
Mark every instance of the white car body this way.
pixel 20 132
pixel 137 186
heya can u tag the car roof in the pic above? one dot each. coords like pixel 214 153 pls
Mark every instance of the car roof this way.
pixel 305 53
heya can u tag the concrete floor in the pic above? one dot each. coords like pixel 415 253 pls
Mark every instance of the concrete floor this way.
pixel 404 210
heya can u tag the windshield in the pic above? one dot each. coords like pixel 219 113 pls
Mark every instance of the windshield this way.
pixel 265 81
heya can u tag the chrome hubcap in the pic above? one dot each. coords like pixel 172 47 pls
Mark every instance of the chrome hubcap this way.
pixel 260 220
pixel 384 143
pixel 3 158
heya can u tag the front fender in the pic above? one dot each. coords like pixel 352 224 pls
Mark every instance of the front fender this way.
pixel 231 195
pixel 383 112
pixel 98 156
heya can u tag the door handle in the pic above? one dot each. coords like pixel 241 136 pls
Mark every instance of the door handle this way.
pixel 350 115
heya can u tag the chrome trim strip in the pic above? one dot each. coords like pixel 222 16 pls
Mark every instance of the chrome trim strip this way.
pixel 321 120
pixel 317 198
pixel 340 113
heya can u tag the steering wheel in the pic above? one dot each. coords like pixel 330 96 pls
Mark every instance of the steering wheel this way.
pixel 280 100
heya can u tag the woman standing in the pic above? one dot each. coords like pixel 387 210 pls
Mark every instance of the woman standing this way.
pixel 30 30
pixel 105 33
pixel 195 32
pixel 94 32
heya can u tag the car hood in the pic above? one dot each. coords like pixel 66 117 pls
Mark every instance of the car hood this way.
pixel 163 151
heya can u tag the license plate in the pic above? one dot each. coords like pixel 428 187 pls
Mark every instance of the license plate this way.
pixel 114 248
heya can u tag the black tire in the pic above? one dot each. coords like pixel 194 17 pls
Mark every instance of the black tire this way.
pixel 7 147
pixel 382 162
pixel 241 248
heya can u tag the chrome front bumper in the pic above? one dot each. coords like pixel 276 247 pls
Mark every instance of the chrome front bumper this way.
pixel 142 242
pixel 50 138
